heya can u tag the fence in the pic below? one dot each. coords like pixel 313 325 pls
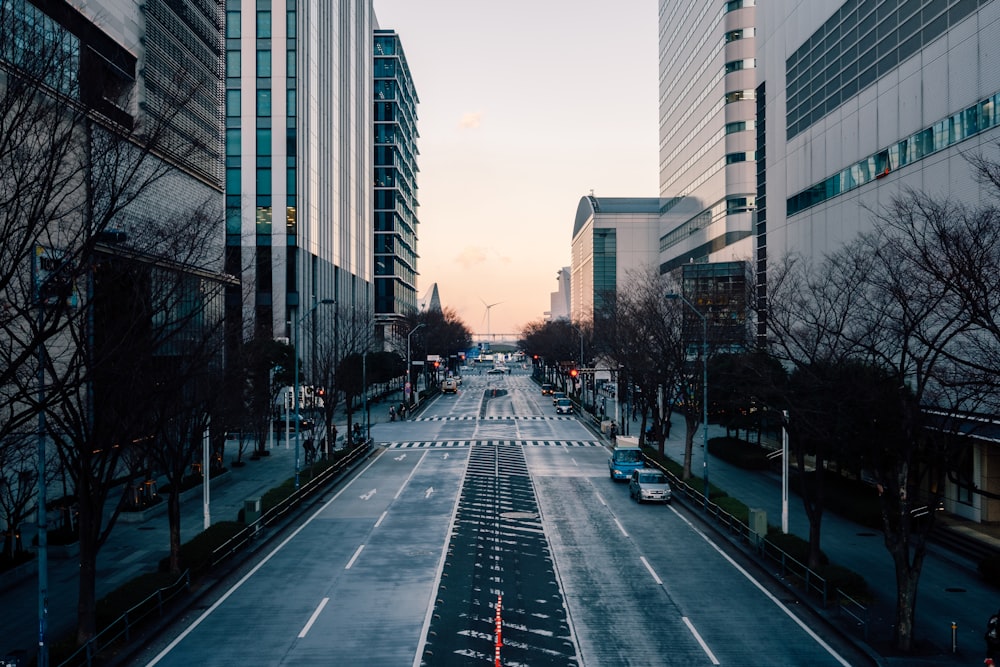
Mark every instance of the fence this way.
pixel 810 582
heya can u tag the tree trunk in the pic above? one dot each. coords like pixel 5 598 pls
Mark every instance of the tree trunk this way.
pixel 691 427
pixel 907 578
pixel 174 521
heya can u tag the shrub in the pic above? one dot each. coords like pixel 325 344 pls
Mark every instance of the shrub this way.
pixel 740 453
pixel 196 554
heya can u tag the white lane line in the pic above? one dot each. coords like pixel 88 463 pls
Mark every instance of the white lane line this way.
pixel 620 526
pixel 379 522
pixel 659 582
pixel 410 476
pixel 600 499
pixel 357 553
pixel 701 642
pixel 205 614
pixel 819 640
pixel 312 619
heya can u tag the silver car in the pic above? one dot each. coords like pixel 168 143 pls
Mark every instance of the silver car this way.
pixel 649 484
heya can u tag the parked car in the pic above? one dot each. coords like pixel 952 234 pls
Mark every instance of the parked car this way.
pixel 564 406
pixel 649 484
pixel 308 424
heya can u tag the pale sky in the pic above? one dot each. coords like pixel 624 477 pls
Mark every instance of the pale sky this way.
pixel 525 106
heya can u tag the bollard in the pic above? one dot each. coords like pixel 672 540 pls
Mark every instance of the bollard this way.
pixel 954 637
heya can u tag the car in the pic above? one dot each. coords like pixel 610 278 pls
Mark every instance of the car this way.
pixel 449 386
pixel 547 389
pixel 557 395
pixel 564 406
pixel 307 423
pixel 496 371
pixel 649 484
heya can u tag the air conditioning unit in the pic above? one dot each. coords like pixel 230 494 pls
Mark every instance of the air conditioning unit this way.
pixel 281 339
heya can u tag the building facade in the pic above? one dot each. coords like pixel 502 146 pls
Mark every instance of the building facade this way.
pixel 612 236
pixel 395 185
pixel 707 87
pixel 858 102
pixel 299 165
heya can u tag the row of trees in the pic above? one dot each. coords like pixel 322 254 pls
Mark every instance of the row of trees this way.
pixel 879 352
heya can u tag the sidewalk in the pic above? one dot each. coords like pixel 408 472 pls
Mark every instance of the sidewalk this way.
pixel 950 589
pixel 136 548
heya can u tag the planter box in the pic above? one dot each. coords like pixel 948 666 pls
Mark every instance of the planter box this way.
pixel 161 507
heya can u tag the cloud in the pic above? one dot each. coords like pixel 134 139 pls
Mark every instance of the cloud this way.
pixel 471 256
pixel 471 119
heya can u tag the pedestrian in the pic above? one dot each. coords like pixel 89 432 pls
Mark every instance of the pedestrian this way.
pixel 992 637
pixel 392 413
pixel 614 432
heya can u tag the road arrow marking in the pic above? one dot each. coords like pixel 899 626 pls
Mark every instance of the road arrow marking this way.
pixel 429 492
pixel 400 457
pixel 367 496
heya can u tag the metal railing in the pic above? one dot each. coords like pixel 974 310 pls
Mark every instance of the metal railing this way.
pixel 811 582
pixel 121 628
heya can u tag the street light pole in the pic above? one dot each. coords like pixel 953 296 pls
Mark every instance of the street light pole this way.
pixel 704 386
pixel 295 395
pixel 412 331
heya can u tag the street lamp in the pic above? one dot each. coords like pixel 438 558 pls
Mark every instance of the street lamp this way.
pixel 412 331
pixel 704 385
pixel 295 395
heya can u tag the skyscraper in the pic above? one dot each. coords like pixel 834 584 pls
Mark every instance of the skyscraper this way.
pixel 298 159
pixel 395 184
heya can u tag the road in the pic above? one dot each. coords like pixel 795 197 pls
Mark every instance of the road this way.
pixel 490 511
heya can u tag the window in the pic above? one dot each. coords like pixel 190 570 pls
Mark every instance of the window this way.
pixel 233 103
pixel 264 141
pixel 733 5
pixel 264 64
pixel 732 158
pixel 737 95
pixel 232 142
pixel 740 126
pixel 290 65
pixel 263 103
pixel 233 182
pixel 263 181
pixel 233 64
pixel 737 65
pixel 263 25
pixel 232 25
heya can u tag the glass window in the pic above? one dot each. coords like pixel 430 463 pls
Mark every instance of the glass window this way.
pixel 263 103
pixel 264 141
pixel 264 64
pixel 233 64
pixel 232 25
pixel 233 142
pixel 233 103
pixel 737 126
pixel 290 65
pixel 290 24
pixel 233 182
pixel 290 103
pixel 263 181
pixel 264 25
pixel 290 181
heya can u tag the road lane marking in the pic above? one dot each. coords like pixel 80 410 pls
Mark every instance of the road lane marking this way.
pixel 357 553
pixel 367 496
pixel 659 582
pixel 788 612
pixel 600 499
pixel 620 526
pixel 701 642
pixel 312 619
pixel 429 492
pixel 379 522
pixel 409 477
pixel 239 584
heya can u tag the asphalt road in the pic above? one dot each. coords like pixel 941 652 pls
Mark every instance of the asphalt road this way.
pixel 490 497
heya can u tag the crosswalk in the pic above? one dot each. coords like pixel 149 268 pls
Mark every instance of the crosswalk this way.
pixel 455 444
pixel 449 418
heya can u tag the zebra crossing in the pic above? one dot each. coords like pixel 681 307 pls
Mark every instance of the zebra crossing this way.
pixel 452 418
pixel 456 444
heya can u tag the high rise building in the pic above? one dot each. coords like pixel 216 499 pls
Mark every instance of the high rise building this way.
pixel 611 237
pixel 707 131
pixel 299 164
pixel 395 185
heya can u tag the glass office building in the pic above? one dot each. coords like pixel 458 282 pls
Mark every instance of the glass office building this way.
pixel 395 185
pixel 299 163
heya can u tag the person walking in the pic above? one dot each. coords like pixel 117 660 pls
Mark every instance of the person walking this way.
pixel 992 637
pixel 392 413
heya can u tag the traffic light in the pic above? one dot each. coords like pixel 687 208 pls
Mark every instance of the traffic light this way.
pixel 573 372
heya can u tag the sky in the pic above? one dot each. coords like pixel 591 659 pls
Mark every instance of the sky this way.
pixel 525 107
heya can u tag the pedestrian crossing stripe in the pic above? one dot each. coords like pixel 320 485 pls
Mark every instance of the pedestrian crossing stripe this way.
pixel 495 418
pixel 447 444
